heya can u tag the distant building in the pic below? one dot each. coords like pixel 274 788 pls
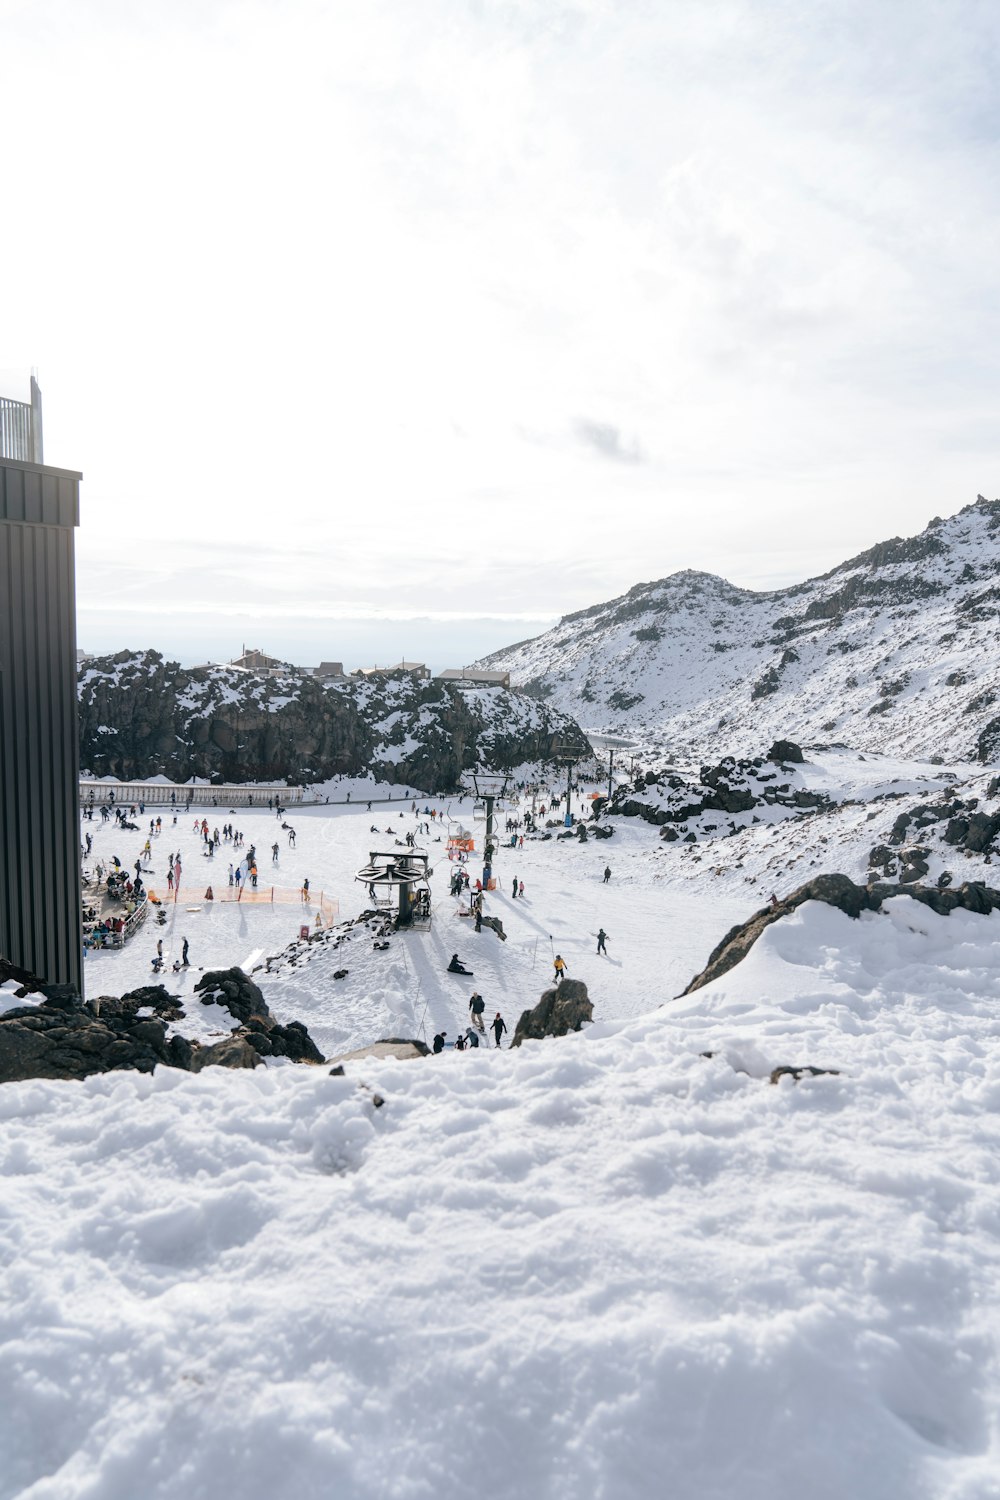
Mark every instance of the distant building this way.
pixel 261 664
pixel 329 669
pixel 40 928
pixel 415 669
pixel 474 677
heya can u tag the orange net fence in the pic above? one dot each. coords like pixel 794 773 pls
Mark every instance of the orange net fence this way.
pixel 316 902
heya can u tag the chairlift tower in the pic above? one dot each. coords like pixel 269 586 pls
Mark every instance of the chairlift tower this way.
pixel 566 752
pixel 489 787
pixel 610 743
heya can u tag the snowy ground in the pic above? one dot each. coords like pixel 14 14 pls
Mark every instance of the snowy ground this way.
pixel 604 1266
pixel 657 940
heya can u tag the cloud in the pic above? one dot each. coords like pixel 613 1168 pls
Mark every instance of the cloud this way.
pixel 608 441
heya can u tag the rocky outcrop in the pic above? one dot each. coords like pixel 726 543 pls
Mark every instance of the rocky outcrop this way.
pixel 839 891
pixel 238 994
pixel 566 1007
pixel 61 1040
pixel 717 802
pixel 142 716
pixel 65 1037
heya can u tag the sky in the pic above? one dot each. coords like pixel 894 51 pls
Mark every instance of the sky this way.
pixel 388 328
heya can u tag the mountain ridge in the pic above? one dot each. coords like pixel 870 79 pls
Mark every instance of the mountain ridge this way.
pixel 892 650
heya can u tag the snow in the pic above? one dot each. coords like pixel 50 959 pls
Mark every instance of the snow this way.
pixel 607 1265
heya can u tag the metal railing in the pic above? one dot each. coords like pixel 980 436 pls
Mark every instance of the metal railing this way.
pixel 16 436
pixel 128 793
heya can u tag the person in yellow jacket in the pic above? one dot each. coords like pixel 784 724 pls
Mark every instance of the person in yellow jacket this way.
pixel 559 967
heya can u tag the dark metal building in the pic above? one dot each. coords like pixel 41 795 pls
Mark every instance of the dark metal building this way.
pixel 39 752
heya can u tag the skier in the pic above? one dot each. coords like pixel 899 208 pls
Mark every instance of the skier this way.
pixel 305 889
pixel 607 873
pixel 274 854
pixel 601 935
pixel 514 891
pixel 559 964
pixel 499 1027
pixel 184 954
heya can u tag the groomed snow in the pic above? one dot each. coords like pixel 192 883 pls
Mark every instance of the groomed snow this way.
pixel 600 1266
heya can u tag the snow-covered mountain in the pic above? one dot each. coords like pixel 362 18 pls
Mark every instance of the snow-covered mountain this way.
pixel 893 651
pixel 141 716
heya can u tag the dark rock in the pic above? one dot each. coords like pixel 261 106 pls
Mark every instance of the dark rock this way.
pixel 802 1072
pixel 231 1052
pixel 786 750
pixel 562 1009
pixel 234 990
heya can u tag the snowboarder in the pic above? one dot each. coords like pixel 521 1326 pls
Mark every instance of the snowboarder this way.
pixel 499 1027
pixel 305 889
pixel 601 935
pixel 607 873
pixel 456 966
pixel 559 964
pixel 439 1041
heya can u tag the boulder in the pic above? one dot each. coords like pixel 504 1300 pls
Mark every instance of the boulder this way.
pixel 565 1007
pixel 786 750
pixel 235 991
pixel 47 1041
pixel 403 1048
pixel 231 1052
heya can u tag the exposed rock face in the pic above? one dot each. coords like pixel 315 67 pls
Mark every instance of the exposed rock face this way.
pixel 564 1008
pixel 65 1038
pixel 721 802
pixel 53 1040
pixel 235 991
pixel 839 891
pixel 142 716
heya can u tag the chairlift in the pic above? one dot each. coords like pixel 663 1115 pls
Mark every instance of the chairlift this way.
pixel 479 812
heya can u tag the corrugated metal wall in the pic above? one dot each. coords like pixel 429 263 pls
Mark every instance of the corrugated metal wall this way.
pixel 39 754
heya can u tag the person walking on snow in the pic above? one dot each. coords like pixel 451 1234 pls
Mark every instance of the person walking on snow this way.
pixel 499 1027
pixel 514 891
pixel 607 873
pixel 558 963
pixel 601 935
pixel 476 1007
pixel 184 954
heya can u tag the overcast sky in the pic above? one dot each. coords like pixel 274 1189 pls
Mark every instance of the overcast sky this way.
pixel 404 326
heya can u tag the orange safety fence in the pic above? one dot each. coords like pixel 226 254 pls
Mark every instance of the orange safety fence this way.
pixel 264 895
